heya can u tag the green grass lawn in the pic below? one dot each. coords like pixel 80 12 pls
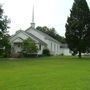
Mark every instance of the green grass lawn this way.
pixel 47 73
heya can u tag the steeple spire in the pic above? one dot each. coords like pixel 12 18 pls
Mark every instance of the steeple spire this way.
pixel 33 15
pixel 32 23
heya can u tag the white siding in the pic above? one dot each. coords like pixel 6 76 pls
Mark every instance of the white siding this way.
pixel 65 51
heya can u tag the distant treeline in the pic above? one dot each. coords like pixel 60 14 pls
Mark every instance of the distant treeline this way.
pixel 51 32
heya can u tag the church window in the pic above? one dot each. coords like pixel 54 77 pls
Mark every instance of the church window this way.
pixel 51 46
pixel 57 47
pixel 19 45
pixel 39 46
pixel 54 47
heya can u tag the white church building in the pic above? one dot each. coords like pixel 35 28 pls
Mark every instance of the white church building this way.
pixel 41 39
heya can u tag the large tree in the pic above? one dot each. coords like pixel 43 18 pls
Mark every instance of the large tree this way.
pixel 77 27
pixel 4 37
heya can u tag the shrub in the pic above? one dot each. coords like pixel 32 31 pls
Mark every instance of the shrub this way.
pixel 62 54
pixel 46 52
pixel 29 48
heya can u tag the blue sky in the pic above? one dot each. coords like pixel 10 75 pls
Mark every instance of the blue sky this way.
pixel 51 13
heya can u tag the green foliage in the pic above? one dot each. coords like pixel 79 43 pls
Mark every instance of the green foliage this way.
pixel 46 52
pixel 5 49
pixel 77 27
pixel 29 46
pixel 52 32
pixel 4 37
pixel 88 35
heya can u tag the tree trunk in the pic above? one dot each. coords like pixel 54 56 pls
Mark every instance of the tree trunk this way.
pixel 80 56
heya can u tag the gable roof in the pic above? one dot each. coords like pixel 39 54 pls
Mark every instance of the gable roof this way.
pixel 28 35
pixel 19 31
pixel 18 38
pixel 36 38
pixel 46 35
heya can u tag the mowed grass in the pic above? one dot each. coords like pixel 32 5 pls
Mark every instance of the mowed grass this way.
pixel 46 73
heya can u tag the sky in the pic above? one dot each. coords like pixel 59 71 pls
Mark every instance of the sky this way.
pixel 50 13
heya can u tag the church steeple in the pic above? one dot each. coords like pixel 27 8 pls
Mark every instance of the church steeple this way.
pixel 32 23
pixel 33 15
